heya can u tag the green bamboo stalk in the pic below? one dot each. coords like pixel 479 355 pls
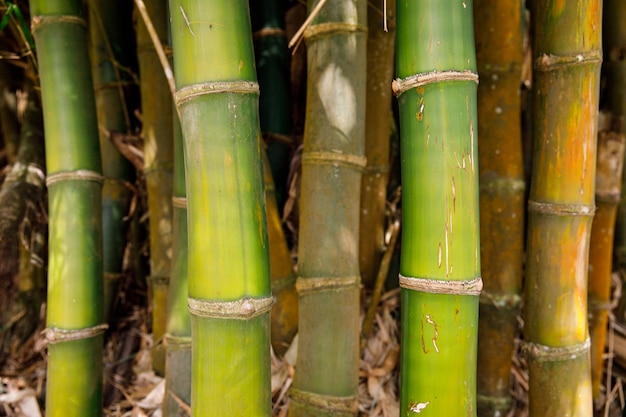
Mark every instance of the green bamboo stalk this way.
pixel 609 167
pixel 499 58
pixel 110 34
pixel 156 109
pixel 440 262
pixel 75 305
pixel 380 61
pixel 272 65
pixel 326 377
pixel 229 287
pixel 567 53
pixel 178 336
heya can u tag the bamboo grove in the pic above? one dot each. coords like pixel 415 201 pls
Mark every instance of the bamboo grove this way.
pixel 229 193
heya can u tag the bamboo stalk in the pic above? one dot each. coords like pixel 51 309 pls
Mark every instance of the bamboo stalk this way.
pixel 178 336
pixel 567 54
pixel 229 287
pixel 609 168
pixel 440 262
pixel 110 51
pixel 502 196
pixel 75 305
pixel 326 377
pixel 156 109
pixel 380 61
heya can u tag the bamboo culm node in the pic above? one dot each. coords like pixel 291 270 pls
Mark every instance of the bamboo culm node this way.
pixel 32 174
pixel 78 175
pixel 179 202
pixel 265 32
pixel 234 87
pixel 542 353
pixel 331 158
pixel 510 301
pixel 553 209
pixel 56 335
pixel 332 28
pixel 177 342
pixel 242 309
pixel 548 62
pixel 317 284
pixel 437 286
pixel 40 21
pixel 399 86
pixel 338 404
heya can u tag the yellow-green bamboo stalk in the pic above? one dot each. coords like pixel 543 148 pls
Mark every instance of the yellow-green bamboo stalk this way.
pixel 326 377
pixel 229 286
pixel 110 30
pixel 75 287
pixel 567 54
pixel 608 189
pixel 156 110
pixel 380 60
pixel 440 259
pixel 499 58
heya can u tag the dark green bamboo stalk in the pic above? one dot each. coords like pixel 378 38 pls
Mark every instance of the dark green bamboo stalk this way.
pixel 567 53
pixel 111 46
pixel 326 377
pixel 440 262
pixel 178 336
pixel 229 287
pixel 156 110
pixel 272 65
pixel 75 305
pixel 380 64
pixel 502 196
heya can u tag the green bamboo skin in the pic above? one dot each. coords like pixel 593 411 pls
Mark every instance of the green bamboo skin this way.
pixel 380 62
pixel 109 34
pixel 440 238
pixel 499 57
pixel 284 315
pixel 608 189
pixel 178 336
pixel 326 377
pixel 224 174
pixel 74 385
pixel 567 57
pixel 272 65
pixel 156 110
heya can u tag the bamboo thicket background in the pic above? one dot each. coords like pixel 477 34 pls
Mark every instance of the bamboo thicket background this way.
pixel 165 165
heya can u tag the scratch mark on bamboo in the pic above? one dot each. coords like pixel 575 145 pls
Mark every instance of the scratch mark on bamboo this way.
pixel 447 251
pixel 423 342
pixel 187 21
pixel 430 321
pixel 453 194
pixel 418 407
pixel 439 256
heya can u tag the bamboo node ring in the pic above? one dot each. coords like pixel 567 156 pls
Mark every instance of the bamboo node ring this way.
pixel 330 28
pixel 112 276
pixel 334 158
pixel 400 85
pixel 200 89
pixel 546 62
pixel 32 174
pixel 244 308
pixel 501 301
pixel 317 284
pixel 542 353
pixel 265 32
pixel 555 209
pixel 179 202
pixel 56 335
pixel 78 175
pixel 179 342
pixel 436 286
pixel 42 20
pixel 327 402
